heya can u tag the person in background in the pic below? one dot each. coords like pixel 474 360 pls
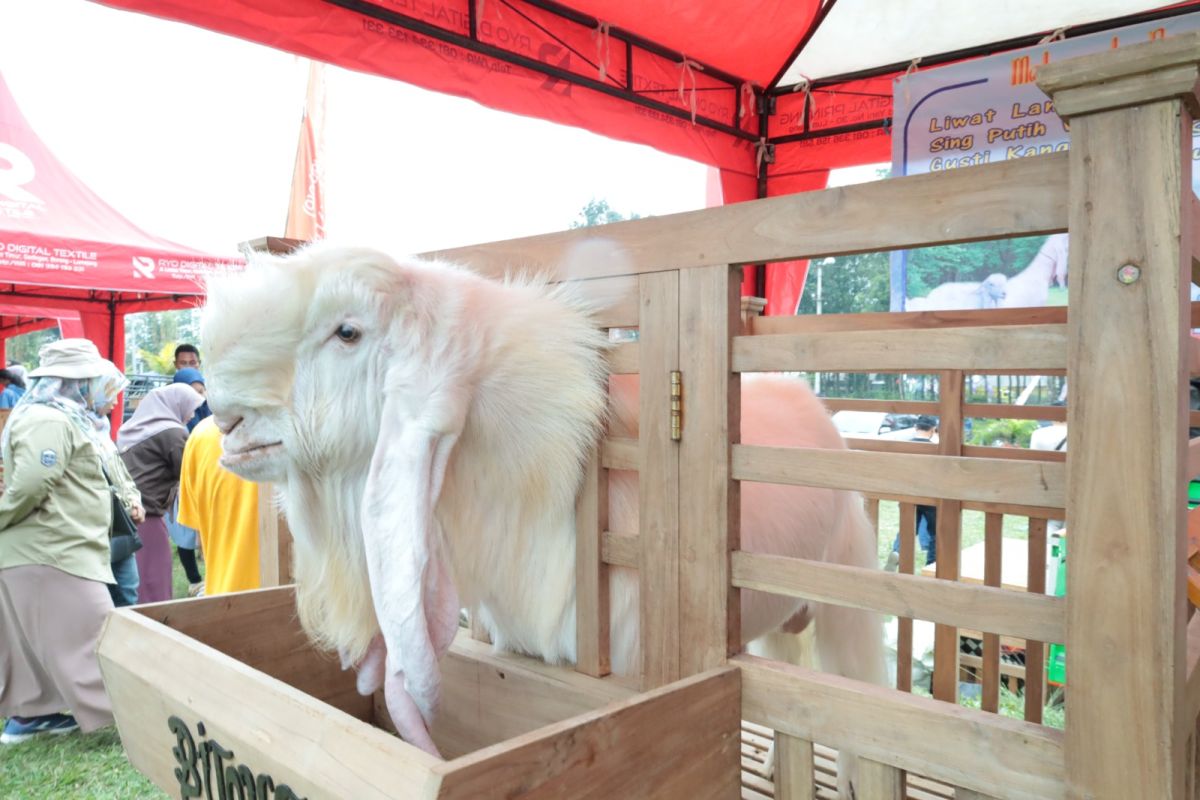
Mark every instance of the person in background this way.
pixel 185 538
pixel 187 355
pixel 55 521
pixel 13 382
pixel 223 508
pixel 105 390
pixel 924 431
pixel 151 444
pixel 193 377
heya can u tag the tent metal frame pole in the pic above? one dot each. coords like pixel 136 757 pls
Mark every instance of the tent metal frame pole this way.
pixel 990 49
pixel 373 11
pixel 884 122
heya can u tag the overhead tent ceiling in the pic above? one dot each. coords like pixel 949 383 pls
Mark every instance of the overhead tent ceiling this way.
pixel 692 78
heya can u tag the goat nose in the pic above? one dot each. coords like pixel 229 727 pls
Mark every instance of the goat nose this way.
pixel 225 424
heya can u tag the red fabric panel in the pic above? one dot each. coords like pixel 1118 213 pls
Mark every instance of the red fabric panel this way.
pixel 785 279
pixel 752 38
pixel 55 231
pixel 316 29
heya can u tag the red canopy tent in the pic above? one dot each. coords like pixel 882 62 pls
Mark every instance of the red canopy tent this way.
pixel 722 83
pixel 68 258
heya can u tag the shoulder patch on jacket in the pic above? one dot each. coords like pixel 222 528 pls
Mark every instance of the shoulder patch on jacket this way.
pixel 49 458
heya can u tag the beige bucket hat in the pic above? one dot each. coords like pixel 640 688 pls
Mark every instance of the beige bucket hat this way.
pixel 69 358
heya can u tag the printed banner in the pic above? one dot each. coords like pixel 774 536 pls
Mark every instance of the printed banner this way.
pixel 983 112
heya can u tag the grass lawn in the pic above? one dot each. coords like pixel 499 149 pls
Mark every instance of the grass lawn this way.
pixel 91 767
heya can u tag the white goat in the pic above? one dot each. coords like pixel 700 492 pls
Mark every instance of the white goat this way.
pixel 428 427
pixel 1031 286
pixel 988 293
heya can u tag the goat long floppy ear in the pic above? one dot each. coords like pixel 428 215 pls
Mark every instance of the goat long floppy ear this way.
pixel 415 599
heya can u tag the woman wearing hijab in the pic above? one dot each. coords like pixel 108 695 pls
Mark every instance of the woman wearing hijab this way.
pixel 151 444
pixel 55 518
pixel 105 390
pixel 193 377
pixel 186 538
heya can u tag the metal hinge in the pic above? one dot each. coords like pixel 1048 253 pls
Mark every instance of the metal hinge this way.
pixel 676 405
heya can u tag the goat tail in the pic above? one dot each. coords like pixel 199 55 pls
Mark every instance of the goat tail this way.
pixel 850 640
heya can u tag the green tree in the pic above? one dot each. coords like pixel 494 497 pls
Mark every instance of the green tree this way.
pixel 930 266
pixel 849 285
pixel 24 348
pixel 162 362
pixel 599 212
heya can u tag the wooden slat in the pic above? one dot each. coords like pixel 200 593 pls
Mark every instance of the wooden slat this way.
pixel 620 549
pixel 619 453
pixel 904 625
pixel 709 610
pixel 794 778
pixel 1041 512
pixel 1002 411
pixel 615 298
pixel 1011 350
pixel 949 534
pixel 909 320
pixel 1124 488
pixel 993 529
pixel 889 446
pixel 1012 759
pixel 943 601
pixel 658 481
pixel 1193 458
pixel 491 697
pixel 1018 197
pixel 886 406
pixel 475 627
pixel 274 541
pixel 623 358
pixel 628 749
pixel 878 780
pixel 1014 453
pixel 951 477
pixel 591 573
pixel 1035 651
pixel 1012 509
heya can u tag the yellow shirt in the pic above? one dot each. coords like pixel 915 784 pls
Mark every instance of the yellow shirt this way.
pixel 223 508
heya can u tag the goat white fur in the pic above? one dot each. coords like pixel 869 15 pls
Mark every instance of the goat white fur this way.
pixel 988 293
pixel 427 429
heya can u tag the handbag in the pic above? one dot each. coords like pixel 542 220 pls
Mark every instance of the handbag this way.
pixel 123 536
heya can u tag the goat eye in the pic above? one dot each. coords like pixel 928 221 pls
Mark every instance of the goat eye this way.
pixel 348 333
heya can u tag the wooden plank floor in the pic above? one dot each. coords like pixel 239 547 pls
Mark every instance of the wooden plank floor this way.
pixel 757 785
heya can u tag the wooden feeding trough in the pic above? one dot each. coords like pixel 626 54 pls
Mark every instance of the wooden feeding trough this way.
pixel 275 714
pixel 224 696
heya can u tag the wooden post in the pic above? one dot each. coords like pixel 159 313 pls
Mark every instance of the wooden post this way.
pixel 795 772
pixel 591 573
pixel 993 565
pixel 1131 249
pixel 949 533
pixel 658 479
pixel 709 609
pixel 274 541
pixel 904 625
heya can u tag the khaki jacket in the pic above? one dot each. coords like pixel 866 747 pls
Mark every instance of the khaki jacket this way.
pixel 55 510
